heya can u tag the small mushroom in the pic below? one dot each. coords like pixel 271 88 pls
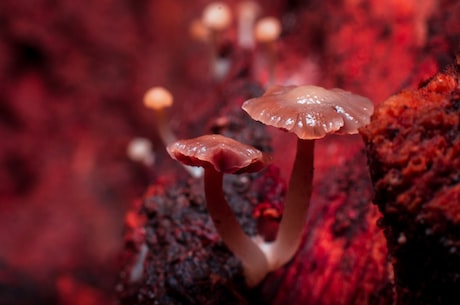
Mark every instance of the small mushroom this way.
pixel 267 30
pixel 159 98
pixel 217 17
pixel 220 155
pixel 248 11
pixel 140 150
pixel 198 31
pixel 311 113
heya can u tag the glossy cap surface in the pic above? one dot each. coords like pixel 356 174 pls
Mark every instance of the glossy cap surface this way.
pixel 311 112
pixel 222 153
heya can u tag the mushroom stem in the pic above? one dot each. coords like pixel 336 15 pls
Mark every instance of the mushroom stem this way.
pixel 252 258
pixel 247 14
pixel 164 131
pixel 168 137
pixel 297 202
pixel 215 59
pixel 217 18
pixel 267 31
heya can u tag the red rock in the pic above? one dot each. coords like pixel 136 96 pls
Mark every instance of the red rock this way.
pixel 413 145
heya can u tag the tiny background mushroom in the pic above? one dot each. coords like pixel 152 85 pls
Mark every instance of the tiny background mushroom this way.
pixel 247 12
pixel 159 99
pixel 217 17
pixel 266 32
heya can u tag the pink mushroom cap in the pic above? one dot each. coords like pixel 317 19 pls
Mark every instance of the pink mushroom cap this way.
pixel 219 152
pixel 311 112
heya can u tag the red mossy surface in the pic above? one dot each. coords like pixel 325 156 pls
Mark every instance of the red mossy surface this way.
pixel 72 76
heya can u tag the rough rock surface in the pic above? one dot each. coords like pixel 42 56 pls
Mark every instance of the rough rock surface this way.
pixel 413 145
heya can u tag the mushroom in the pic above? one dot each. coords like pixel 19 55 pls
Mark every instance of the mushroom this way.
pixel 220 155
pixel 266 32
pixel 216 18
pixel 140 150
pixel 159 98
pixel 247 14
pixel 311 113
pixel 198 31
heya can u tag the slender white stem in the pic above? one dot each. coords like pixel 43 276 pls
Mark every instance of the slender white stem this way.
pixel 219 65
pixel 168 137
pixel 247 14
pixel 292 224
pixel 243 247
pixel 245 35
pixel 138 268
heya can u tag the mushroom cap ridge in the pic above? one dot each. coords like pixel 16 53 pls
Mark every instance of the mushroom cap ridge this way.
pixel 311 112
pixel 222 153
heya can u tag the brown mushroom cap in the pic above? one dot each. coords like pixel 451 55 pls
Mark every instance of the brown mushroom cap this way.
pixel 223 154
pixel 311 112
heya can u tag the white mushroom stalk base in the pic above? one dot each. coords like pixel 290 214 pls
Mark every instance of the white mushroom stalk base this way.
pixel 243 247
pixel 291 227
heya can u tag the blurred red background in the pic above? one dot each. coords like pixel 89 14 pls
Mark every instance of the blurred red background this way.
pixel 72 76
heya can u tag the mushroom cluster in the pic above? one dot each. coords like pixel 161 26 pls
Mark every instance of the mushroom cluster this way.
pixel 217 25
pixel 311 113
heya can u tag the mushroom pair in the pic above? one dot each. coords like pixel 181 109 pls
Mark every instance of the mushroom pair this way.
pixel 311 113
